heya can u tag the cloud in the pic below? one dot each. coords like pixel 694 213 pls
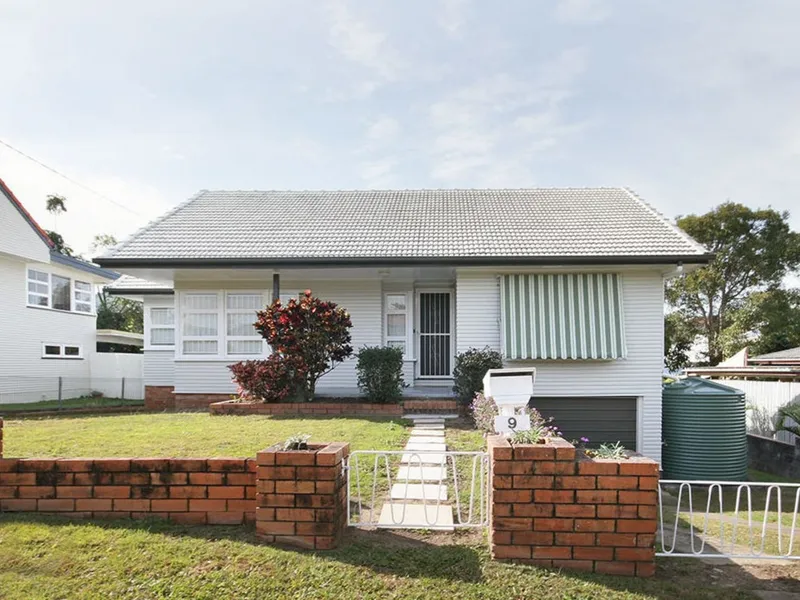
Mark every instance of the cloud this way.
pixel 378 173
pixel 582 11
pixel 362 43
pixel 383 129
pixel 489 132
pixel 452 15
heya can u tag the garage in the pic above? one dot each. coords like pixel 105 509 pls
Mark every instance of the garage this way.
pixel 601 419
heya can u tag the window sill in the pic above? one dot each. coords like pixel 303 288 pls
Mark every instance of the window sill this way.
pixel 63 358
pixel 217 358
pixel 62 312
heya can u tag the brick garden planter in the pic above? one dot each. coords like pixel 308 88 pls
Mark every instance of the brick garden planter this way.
pixel 361 409
pixel 554 507
pixel 301 495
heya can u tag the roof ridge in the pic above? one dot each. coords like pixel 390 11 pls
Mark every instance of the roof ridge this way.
pixel 646 205
pixel 175 209
pixel 422 189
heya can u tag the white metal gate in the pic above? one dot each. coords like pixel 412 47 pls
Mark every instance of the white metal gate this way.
pixel 410 489
pixel 728 519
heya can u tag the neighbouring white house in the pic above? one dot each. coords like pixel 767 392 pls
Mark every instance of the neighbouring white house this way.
pixel 568 280
pixel 47 311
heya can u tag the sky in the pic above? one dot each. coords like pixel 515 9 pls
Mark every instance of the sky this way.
pixel 689 103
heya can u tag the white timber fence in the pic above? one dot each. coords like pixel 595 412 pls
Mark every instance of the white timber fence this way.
pixel 765 398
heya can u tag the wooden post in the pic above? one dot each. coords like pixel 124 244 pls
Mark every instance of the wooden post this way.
pixel 276 286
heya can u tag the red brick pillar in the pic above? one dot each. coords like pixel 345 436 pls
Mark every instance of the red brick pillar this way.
pixel 1 437
pixel 301 495
pixel 555 507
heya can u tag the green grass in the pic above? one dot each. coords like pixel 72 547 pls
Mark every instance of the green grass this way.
pixel 761 476
pixel 45 557
pixel 188 434
pixel 67 403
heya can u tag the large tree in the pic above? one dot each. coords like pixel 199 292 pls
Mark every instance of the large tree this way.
pixel 768 321
pixel 754 250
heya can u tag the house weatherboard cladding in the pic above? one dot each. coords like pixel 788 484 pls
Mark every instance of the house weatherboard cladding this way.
pixel 562 316
pixel 269 227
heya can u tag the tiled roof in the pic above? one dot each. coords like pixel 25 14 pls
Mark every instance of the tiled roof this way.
pixel 128 284
pixel 790 354
pixel 407 224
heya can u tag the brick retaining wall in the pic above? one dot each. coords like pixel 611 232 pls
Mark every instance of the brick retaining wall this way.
pixel 307 408
pixel 1 437
pixel 302 496
pixel 552 508
pixel 159 397
pixel 185 490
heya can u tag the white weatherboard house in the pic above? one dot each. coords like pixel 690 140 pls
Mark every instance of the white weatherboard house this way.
pixel 47 311
pixel 568 280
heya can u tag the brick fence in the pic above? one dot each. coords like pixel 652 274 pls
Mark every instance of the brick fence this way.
pixel 1 437
pixel 302 496
pixel 552 508
pixel 185 490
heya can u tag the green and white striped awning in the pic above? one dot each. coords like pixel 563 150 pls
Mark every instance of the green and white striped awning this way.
pixel 562 316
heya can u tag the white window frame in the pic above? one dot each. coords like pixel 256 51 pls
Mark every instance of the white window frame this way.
pixel 238 311
pixel 407 338
pixel 62 355
pixel 149 327
pixel 29 293
pixel 76 302
pixel 222 326
pixel 73 301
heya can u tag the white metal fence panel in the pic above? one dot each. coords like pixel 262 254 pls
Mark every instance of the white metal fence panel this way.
pixel 767 396
pixel 411 489
pixel 724 519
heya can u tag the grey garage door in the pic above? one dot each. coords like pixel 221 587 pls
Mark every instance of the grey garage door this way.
pixel 602 420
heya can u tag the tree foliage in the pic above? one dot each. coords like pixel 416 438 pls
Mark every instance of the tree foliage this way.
pixel 119 313
pixel 56 204
pixel 754 250
pixel 679 336
pixel 103 240
pixel 59 244
pixel 314 331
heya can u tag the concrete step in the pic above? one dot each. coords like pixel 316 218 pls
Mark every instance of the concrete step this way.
pixel 417 516
pixel 428 427
pixel 414 491
pixel 424 417
pixel 417 474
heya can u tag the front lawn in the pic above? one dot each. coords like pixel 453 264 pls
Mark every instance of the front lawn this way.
pixel 50 558
pixel 188 434
pixel 68 403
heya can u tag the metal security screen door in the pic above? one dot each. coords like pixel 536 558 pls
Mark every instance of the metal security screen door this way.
pixel 435 334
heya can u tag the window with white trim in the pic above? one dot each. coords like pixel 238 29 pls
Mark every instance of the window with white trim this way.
pixel 200 323
pixel 82 296
pixel 241 337
pixel 38 288
pixel 397 320
pixel 60 292
pixel 162 326
pixel 72 351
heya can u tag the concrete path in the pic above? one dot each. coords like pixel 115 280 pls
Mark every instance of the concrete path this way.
pixel 419 497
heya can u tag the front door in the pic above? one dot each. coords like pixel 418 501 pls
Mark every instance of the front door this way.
pixel 435 334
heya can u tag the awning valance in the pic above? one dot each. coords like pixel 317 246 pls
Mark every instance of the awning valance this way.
pixel 562 316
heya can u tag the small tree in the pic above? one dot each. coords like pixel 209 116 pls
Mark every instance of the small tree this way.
pixel 315 332
pixel 380 373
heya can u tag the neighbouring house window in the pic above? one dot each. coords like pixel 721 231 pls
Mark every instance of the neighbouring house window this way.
pixel 61 351
pixel 83 296
pixel 162 326
pixel 397 321
pixel 38 288
pixel 60 292
pixel 200 323
pixel 240 315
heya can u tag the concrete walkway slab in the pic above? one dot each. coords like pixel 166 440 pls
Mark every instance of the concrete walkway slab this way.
pixel 430 447
pixel 423 417
pixel 422 458
pixel 428 427
pixel 430 436
pixel 418 516
pixel 416 474
pixel 414 491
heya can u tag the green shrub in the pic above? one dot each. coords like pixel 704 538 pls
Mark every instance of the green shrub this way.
pixel 469 370
pixel 380 373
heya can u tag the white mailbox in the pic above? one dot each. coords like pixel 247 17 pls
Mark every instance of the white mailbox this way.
pixel 510 388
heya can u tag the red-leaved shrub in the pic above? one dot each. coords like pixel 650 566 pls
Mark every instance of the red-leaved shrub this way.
pixel 278 378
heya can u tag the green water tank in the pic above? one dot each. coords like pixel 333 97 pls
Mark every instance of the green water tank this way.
pixel 704 426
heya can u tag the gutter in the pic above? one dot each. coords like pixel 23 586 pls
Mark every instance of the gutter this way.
pixel 473 261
